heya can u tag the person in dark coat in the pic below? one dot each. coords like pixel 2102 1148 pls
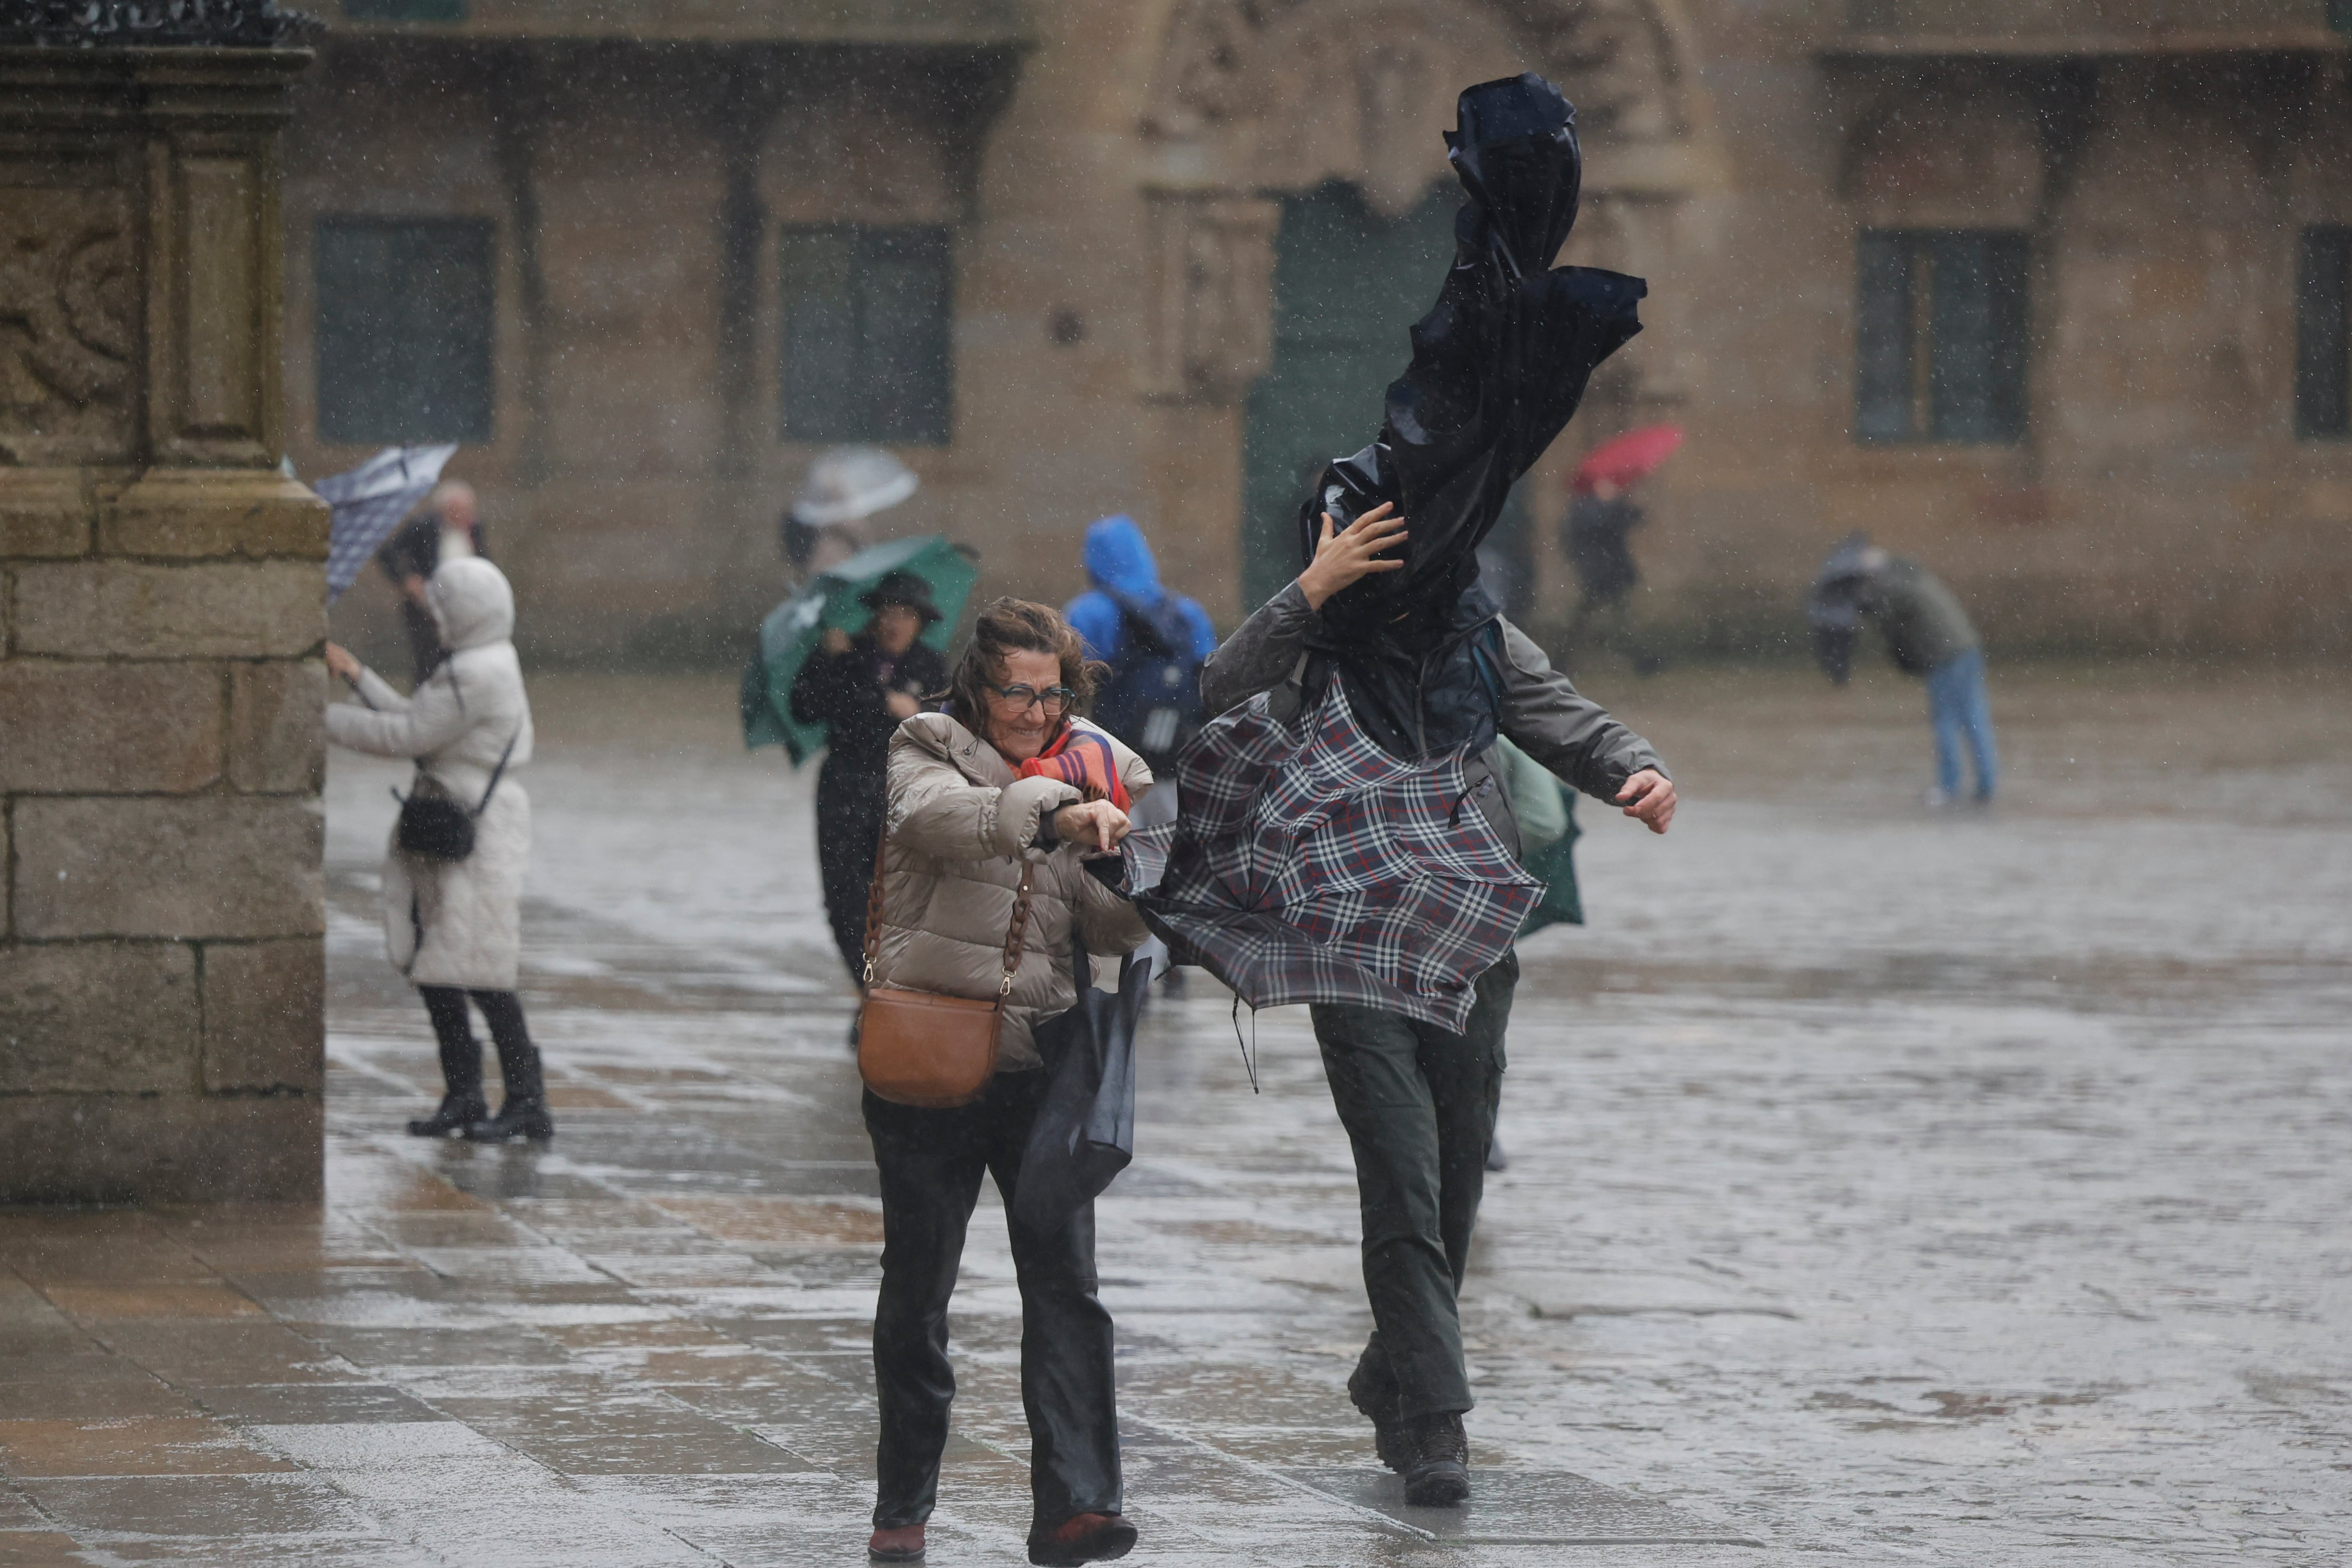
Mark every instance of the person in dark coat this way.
pixel 1929 634
pixel 860 688
pixel 1595 534
pixel 1419 1104
pixel 448 527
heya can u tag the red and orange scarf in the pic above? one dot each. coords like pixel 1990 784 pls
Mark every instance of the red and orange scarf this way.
pixel 1080 757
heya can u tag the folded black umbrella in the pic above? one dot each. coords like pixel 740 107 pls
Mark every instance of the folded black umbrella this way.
pixel 1084 1132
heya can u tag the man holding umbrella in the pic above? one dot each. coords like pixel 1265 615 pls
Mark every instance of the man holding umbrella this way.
pixel 1927 634
pixel 1602 514
pixel 861 688
pixel 1383 677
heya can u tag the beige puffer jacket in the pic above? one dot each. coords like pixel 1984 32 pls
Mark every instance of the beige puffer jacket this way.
pixel 960 827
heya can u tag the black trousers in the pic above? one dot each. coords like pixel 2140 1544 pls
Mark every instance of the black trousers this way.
pixel 931 1163
pixel 850 806
pixel 1419 1105
pixel 461 1054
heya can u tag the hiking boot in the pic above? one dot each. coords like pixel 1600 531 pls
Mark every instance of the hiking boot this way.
pixel 1088 1538
pixel 458 1112
pixel 518 1118
pixel 1439 1475
pixel 898 1544
pixel 1372 1389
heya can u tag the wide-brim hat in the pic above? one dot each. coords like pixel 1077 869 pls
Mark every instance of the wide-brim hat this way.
pixel 848 483
pixel 902 588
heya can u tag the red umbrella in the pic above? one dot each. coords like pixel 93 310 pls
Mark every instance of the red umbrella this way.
pixel 1623 459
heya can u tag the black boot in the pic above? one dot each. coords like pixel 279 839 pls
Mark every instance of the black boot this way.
pixel 520 1117
pixel 1372 1389
pixel 458 1112
pixel 1439 1476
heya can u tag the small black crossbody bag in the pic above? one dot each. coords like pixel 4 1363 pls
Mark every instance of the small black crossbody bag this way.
pixel 435 825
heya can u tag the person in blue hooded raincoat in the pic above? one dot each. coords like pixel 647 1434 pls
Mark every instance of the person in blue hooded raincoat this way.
pixel 1154 641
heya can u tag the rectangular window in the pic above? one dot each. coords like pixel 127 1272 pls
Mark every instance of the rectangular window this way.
pixel 1940 335
pixel 868 317
pixel 2322 335
pixel 405 313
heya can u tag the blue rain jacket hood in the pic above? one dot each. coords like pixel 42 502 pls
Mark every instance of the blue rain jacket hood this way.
pixel 1119 559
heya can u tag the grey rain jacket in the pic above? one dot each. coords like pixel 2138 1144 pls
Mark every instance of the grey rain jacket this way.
pixel 1539 712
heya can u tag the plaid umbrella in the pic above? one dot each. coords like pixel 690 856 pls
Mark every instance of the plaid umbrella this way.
pixel 368 502
pixel 1308 865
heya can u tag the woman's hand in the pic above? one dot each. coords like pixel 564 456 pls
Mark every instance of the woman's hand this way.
pixel 901 706
pixel 1095 822
pixel 1341 558
pixel 1648 797
pixel 339 662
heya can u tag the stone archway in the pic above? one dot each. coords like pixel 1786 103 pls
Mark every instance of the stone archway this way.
pixel 1254 99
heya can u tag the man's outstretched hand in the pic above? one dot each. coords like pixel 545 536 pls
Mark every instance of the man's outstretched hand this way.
pixel 1341 557
pixel 1649 797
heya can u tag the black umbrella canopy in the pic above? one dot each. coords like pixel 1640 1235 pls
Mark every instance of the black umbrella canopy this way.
pixel 1499 365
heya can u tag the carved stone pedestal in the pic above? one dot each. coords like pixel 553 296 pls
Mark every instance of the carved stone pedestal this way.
pixel 162 606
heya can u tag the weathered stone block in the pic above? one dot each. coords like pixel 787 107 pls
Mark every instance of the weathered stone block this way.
pixel 43 511
pixel 277 730
pixel 212 866
pixel 161 1148
pixel 200 512
pixel 98 1017
pixel 108 728
pixel 97 608
pixel 265 1015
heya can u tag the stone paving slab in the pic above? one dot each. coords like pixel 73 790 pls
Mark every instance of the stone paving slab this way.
pixel 1525 1508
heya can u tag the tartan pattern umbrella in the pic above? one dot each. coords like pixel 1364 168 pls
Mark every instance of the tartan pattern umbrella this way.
pixel 368 502
pixel 1308 865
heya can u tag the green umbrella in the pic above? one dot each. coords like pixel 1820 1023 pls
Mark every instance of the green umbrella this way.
pixel 830 599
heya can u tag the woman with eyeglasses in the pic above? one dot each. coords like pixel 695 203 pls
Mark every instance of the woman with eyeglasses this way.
pixel 1010 774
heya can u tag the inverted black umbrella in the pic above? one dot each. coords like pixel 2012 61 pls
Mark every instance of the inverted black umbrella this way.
pixel 1499 364
pixel 1085 1132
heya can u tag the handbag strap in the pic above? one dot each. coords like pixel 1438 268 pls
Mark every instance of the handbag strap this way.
pixel 499 772
pixel 1013 936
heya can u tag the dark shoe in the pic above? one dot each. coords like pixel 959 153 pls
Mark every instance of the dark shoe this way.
pixel 1372 1389
pixel 900 1544
pixel 458 1112
pixel 516 1119
pixel 1439 1476
pixel 1088 1538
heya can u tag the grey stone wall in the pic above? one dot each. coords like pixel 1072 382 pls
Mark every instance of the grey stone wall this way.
pixel 162 606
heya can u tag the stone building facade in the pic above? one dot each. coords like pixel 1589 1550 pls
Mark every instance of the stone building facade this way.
pixel 2037 289
pixel 161 603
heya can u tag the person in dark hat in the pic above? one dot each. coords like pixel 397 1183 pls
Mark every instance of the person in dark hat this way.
pixel 860 688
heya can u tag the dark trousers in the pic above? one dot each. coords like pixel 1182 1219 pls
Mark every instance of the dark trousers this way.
pixel 461 1054
pixel 849 812
pixel 931 1163
pixel 1419 1105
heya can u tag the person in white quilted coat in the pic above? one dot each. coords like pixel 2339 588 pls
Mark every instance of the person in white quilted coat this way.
pixel 454 928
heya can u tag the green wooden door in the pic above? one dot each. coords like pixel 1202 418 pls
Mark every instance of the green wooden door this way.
pixel 1347 287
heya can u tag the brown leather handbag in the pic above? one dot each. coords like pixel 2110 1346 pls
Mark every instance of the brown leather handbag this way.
pixel 917 1047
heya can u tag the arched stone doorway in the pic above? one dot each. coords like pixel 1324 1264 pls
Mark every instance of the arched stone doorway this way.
pixel 1261 105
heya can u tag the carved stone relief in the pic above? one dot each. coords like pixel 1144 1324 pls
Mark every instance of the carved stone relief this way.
pixel 1618 59
pixel 68 314
pixel 1262 96
pixel 1213 320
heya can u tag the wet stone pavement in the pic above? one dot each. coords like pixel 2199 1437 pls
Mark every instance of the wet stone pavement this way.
pixel 1884 1186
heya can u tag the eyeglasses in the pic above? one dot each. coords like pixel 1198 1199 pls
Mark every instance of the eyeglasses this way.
pixel 1022 699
